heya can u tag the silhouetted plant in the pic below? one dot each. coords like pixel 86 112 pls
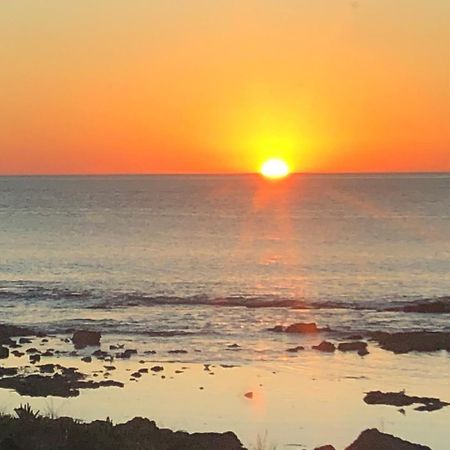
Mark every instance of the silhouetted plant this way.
pixel 263 444
pixel 25 412
pixel 51 410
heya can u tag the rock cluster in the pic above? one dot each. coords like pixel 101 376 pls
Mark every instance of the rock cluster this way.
pixel 301 328
pixel 66 382
pixel 401 399
pixel 413 341
pixel 66 434
pixel 83 338
pixel 375 440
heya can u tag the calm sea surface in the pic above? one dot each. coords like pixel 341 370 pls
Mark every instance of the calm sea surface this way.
pixel 221 258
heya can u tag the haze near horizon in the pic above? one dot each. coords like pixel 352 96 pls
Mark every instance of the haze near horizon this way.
pixel 220 87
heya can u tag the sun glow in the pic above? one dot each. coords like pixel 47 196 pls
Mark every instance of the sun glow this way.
pixel 275 168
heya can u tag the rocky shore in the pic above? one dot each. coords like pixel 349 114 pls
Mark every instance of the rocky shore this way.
pixel 31 368
pixel 29 430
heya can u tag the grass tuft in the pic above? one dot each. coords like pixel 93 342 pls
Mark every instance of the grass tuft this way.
pixel 25 412
pixel 262 443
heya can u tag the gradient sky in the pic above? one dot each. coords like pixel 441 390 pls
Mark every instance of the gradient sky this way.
pixel 117 86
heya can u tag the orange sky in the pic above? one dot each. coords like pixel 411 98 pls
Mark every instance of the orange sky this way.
pixel 113 86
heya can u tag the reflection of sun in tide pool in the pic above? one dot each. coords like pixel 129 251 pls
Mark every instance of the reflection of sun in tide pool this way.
pixel 275 168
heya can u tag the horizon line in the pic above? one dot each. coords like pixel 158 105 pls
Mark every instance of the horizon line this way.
pixel 144 174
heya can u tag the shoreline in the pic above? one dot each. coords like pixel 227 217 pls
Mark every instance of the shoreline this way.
pixel 286 395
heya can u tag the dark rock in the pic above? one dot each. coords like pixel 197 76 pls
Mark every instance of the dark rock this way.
pixel 358 346
pixel 418 341
pixel 65 384
pixel 39 386
pixel 17 354
pixel 137 434
pixel 24 340
pixel 375 440
pixel 439 306
pixel 136 375
pixel 157 368
pixel 429 407
pixel 150 352
pixel 233 346
pixel 96 385
pixel 86 359
pixel 32 350
pixel 249 395
pixel 9 331
pixel 305 328
pixel 277 329
pixel 148 432
pixel 126 354
pixel 295 349
pixel 325 346
pixel 8 371
pixel 325 447
pixel 177 352
pixel 363 352
pixel 82 338
pixel 401 399
pixel 47 368
pixel 100 354
pixel 34 358
pixel 9 444
pixel 71 373
pixel 4 352
pixel 48 354
pixel 143 370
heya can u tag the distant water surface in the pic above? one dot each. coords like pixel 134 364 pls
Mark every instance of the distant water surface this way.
pixel 139 254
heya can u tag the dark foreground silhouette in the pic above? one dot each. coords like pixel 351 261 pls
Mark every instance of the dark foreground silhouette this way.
pixel 375 440
pixel 30 431
pixel 41 433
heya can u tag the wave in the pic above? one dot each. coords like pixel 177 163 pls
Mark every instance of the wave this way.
pixel 98 299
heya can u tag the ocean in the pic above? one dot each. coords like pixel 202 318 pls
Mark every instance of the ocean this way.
pixel 222 258
pixel 191 272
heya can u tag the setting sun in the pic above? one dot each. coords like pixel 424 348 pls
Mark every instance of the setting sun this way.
pixel 275 168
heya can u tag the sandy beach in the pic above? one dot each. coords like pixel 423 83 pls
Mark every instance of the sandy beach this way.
pixel 306 399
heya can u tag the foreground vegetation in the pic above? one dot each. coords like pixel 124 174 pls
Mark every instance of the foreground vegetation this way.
pixel 30 430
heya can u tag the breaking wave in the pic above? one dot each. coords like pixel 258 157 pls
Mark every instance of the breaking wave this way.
pixel 97 299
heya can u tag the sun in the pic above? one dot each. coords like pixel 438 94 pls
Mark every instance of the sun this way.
pixel 275 168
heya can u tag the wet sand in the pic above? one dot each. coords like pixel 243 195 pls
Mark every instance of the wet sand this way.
pixel 306 399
